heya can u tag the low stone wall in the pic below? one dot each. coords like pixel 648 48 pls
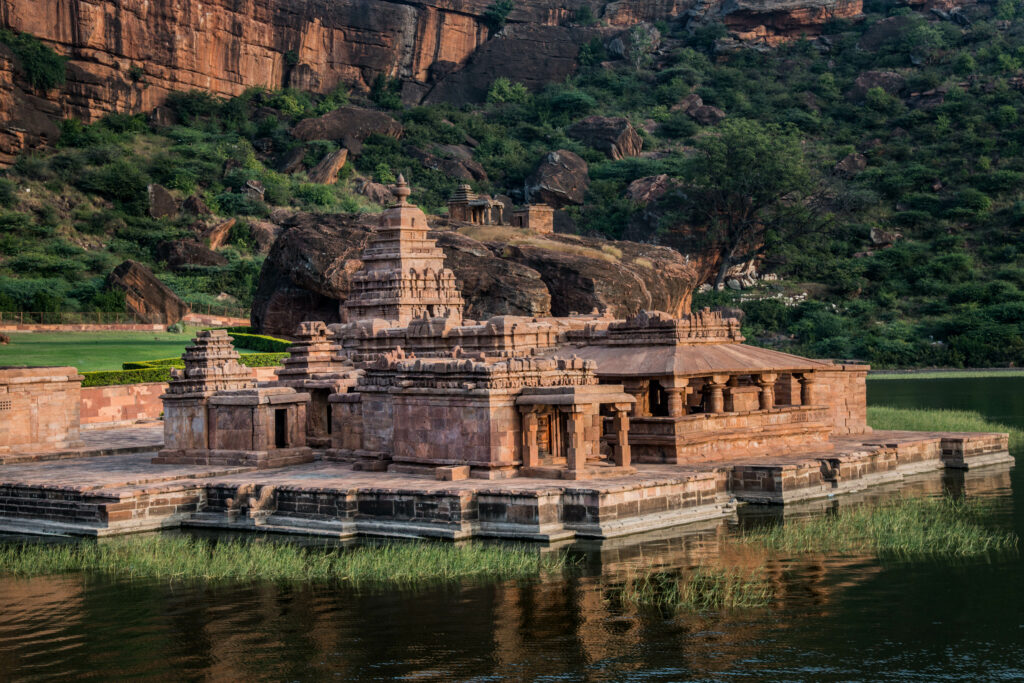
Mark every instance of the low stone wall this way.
pixel 7 326
pixel 122 404
pixel 844 392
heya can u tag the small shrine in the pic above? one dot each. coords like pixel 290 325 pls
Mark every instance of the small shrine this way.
pixel 214 413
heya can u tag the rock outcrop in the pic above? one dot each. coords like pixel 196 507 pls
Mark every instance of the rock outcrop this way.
pixel 308 272
pixel 145 296
pixel 326 172
pixel 561 178
pixel 349 126
pixel 183 254
pixel 615 136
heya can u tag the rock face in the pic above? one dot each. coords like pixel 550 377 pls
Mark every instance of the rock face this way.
pixel 616 137
pixel 851 165
pixel 182 254
pixel 145 296
pixel 161 202
pixel 561 178
pixel 307 274
pixel 326 172
pixel 780 20
pixel 651 188
pixel 349 126
pixel 127 55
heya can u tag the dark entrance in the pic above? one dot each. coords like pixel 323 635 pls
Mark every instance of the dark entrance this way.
pixel 281 427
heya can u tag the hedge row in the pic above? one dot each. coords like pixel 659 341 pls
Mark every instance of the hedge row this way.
pixel 105 378
pixel 253 360
pixel 259 342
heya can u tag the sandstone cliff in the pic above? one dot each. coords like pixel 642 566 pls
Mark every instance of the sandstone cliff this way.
pixel 126 55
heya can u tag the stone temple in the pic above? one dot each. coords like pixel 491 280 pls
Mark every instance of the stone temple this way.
pixel 408 419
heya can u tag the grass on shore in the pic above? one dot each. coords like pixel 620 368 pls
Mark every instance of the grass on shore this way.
pixel 905 528
pixel 92 351
pixel 945 374
pixel 703 589
pixel 924 420
pixel 187 559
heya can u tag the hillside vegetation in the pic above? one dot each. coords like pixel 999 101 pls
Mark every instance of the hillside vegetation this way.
pixel 939 182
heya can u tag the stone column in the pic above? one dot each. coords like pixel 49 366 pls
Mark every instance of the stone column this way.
pixel 766 382
pixel 808 389
pixel 639 390
pixel 715 399
pixel 621 453
pixel 576 452
pixel 531 457
pixel 677 389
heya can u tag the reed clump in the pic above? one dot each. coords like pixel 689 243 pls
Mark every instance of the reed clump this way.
pixel 702 589
pixel 191 559
pixel 905 528
pixel 923 420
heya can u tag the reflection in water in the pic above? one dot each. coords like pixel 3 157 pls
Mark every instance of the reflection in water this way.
pixel 74 627
pixel 837 618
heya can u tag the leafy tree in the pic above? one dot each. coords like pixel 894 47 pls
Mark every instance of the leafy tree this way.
pixel 497 14
pixel 745 184
pixel 503 90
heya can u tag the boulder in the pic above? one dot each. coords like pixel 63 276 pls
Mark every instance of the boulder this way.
pixel 706 115
pixel 4 339
pixel 454 166
pixel 377 193
pixel 349 126
pixel 196 206
pixel 650 188
pixel 263 234
pixel 851 165
pixel 145 296
pixel 691 101
pixel 162 203
pixel 217 236
pixel 889 81
pixel 615 136
pixel 183 254
pixel 615 277
pixel 492 285
pixel 561 178
pixel 884 238
pixel 326 172
pixel 307 274
pixel 293 161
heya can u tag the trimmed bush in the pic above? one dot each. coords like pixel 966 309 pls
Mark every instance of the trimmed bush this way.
pixel 104 378
pixel 252 360
pixel 260 342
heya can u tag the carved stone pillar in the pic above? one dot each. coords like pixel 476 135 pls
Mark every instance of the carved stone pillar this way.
pixel 531 456
pixel 808 389
pixel 713 397
pixel 767 384
pixel 677 389
pixel 621 454
pixel 639 390
pixel 575 452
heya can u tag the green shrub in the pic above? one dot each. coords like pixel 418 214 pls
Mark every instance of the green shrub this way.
pixel 497 14
pixel 111 377
pixel 503 90
pixel 42 67
pixel 252 360
pixel 260 342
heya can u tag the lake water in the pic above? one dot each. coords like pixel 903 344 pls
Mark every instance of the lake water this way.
pixel 837 618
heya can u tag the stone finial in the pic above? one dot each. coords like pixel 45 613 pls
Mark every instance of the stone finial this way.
pixel 402 190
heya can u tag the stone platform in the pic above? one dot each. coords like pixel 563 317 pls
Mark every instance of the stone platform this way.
pixel 116 494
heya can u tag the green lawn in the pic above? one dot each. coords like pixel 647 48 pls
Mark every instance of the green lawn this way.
pixel 89 351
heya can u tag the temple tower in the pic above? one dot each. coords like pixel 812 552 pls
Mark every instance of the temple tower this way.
pixel 403 275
